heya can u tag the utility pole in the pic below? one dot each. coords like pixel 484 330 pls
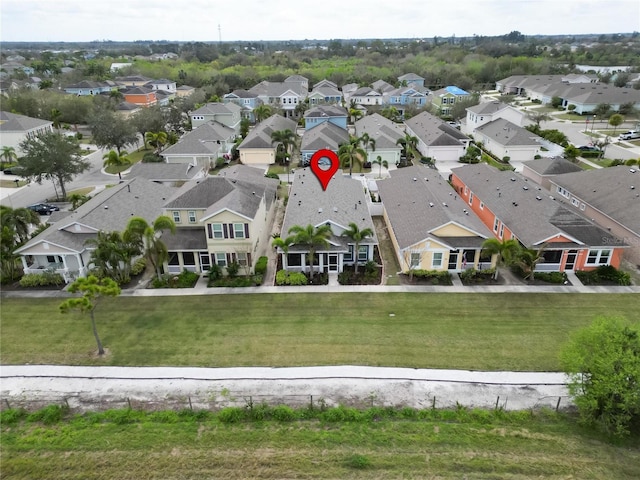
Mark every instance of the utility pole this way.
pixel 219 34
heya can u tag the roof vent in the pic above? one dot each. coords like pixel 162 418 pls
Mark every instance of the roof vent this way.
pixel 444 204
pixel 525 188
pixel 106 207
pixel 320 210
pixel 538 197
pixel 431 204
pixel 632 170
pixel 513 179
pixel 415 179
pixel 335 209
pixel 515 204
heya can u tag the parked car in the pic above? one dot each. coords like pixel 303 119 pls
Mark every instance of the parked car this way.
pixel 630 135
pixel 588 148
pixel 15 170
pixel 43 208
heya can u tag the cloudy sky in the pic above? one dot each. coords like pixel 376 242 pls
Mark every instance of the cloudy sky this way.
pixel 198 20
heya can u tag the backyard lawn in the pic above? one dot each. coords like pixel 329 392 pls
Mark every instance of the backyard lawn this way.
pixel 461 331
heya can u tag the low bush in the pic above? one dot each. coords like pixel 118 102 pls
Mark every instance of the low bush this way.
pixel 284 277
pixel 151 158
pixel 45 279
pixel 138 266
pixel 234 282
pixel 472 275
pixel 231 415
pixel 186 279
pixel 11 416
pixel 48 415
pixel 605 274
pixel 283 413
pixel 261 266
pixel 436 277
pixel 551 277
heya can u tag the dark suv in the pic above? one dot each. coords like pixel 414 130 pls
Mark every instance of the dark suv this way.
pixel 43 208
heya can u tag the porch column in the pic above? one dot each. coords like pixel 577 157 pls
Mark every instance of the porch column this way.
pixel 24 263
pixel 476 259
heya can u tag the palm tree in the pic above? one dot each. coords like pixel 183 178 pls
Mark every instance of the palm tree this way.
pixel 8 154
pixel 366 140
pixel 156 139
pixel 357 235
pixel 506 250
pixel 19 221
pixel 284 139
pixel 355 114
pixel 527 260
pixel 391 113
pixel 311 237
pixel 148 237
pixel 262 112
pixel 115 159
pixel 382 163
pixel 348 153
pixel 112 254
pixel 409 145
pixel 78 199
pixel 56 115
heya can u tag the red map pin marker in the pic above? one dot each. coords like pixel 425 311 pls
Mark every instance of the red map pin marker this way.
pixel 324 175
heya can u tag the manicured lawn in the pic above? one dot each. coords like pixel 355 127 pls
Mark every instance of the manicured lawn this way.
pixel 465 331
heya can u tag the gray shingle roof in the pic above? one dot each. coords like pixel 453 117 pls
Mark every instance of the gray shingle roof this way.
pixel 342 203
pixel 326 111
pixel 205 140
pixel 110 210
pixel 385 132
pixel 164 172
pixel 217 108
pixel 487 108
pixel 433 131
pixel 326 135
pixel 506 133
pixel 12 122
pixel 552 166
pixel 260 136
pixel 608 190
pixel 528 211
pixel 414 199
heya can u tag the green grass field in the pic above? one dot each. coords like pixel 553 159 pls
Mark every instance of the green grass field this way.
pixel 521 332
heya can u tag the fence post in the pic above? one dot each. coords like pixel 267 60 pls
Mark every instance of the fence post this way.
pixel 433 404
pixel 190 405
pixel 497 402
pixel 129 402
pixel 558 404
pixel 310 402
pixel 7 402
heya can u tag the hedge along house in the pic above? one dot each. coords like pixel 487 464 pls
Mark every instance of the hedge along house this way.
pixel 62 247
pixel 343 202
pixel 513 207
pixel 221 220
pixel 430 225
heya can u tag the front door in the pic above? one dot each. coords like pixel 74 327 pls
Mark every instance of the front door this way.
pixel 333 262
pixel 453 260
pixel 571 260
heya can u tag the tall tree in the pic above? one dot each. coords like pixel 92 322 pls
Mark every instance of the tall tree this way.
pixel 350 153
pixel 409 145
pixel 506 251
pixel 603 364
pixel 615 121
pixel 54 157
pixel 262 112
pixel 92 290
pixel 115 159
pixel 285 141
pixel 148 238
pixel 111 131
pixel 19 221
pixel 148 120
pixel 112 254
pixel 357 235
pixel 538 117
pixel 55 117
pixel 527 259
pixel 8 154
pixel 382 163
pixel 366 141
pixel 157 140
pixel 311 237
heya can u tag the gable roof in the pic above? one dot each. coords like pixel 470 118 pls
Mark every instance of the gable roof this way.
pixel 239 188
pixel 615 191
pixel 382 86
pixel 217 108
pixel 487 108
pixel 206 139
pixel 418 200
pixel 366 92
pixel 240 93
pixel 260 136
pixel 451 89
pixel 529 212
pixel 12 122
pixel 433 131
pixel 277 89
pixel 325 83
pixel 110 210
pixel 410 77
pixel 326 111
pixel 342 203
pixel 552 166
pixel 385 132
pixel 506 133
pixel 326 135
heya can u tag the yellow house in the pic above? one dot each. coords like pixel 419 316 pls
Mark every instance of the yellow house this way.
pixel 430 226
pixel 221 220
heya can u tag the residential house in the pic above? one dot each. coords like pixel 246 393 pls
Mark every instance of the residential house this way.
pixel 221 220
pixel 202 146
pixel 382 86
pixel 411 79
pixel 184 91
pixel 88 87
pixel 514 207
pixel 133 80
pixel 437 139
pixel 609 197
pixel 327 135
pixel 445 98
pixel 126 109
pixel 543 170
pixel 14 129
pixel 386 135
pixel 286 95
pixel 325 95
pixel 162 84
pixel 247 101
pixel 487 112
pixel 169 174
pixel 506 139
pixel 342 203
pixel 62 247
pixel 366 96
pixel 10 67
pixel 522 85
pixel 163 97
pixel 325 113
pixel 430 225
pixel 325 83
pixel 403 96
pixel 141 96
pixel 303 81
pixel 228 114
pixel 258 148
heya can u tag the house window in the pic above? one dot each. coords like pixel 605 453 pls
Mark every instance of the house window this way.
pixel 471 198
pixel 363 253
pixel 436 261
pixel 582 206
pixel 221 259
pixel 415 259
pixel 466 190
pixel 501 230
pixel 565 193
pixel 238 230
pixel 241 258
pixel 348 257
pixel 481 205
pixel 192 216
pixel 496 222
pixel 173 258
pixel 599 257
pixel 188 258
pixel 575 202
pixel 294 259
pixel 216 231
pixel 176 216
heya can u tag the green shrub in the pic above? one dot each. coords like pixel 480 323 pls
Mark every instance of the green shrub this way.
pixel 215 272
pixel 138 266
pixel 358 462
pixel 282 413
pixel 551 277
pixel 232 269
pixel 186 279
pixel 11 416
pixel 437 277
pixel 342 414
pixel 261 266
pixel 604 274
pixel 123 416
pixel 273 175
pixel 151 158
pixel 284 277
pixel 259 412
pixel 48 415
pixel 471 275
pixel 231 415
pixel 46 279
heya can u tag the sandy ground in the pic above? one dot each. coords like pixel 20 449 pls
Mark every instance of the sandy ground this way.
pixel 98 388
